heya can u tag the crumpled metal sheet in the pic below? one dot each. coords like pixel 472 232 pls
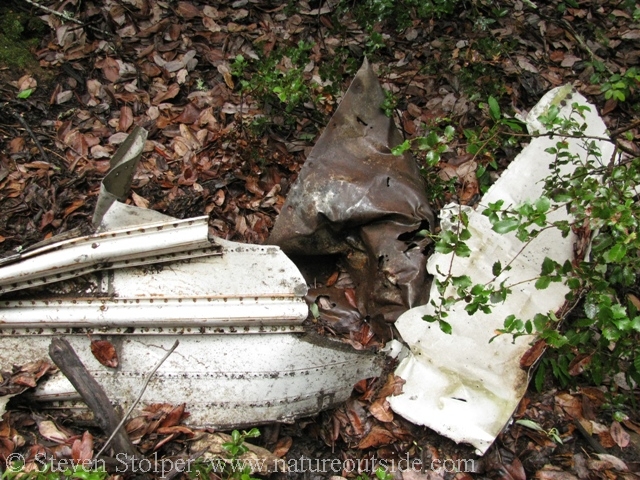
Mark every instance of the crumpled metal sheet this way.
pixel 355 198
pixel 461 385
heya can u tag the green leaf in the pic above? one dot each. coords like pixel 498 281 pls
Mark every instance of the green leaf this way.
pixel 444 248
pixel 449 132
pixel 494 108
pixel 616 253
pixel 506 226
pixel 540 374
pixel 314 310
pixel 432 158
pixel 463 281
pixel 445 327
pixel 400 149
pixel 543 282
pixel 429 318
pixel 542 204
pixel 25 94
pixel 496 269
pixel 462 250
pixel 530 424
pixel 548 266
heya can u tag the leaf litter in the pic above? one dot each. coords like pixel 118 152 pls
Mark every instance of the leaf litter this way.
pixel 168 67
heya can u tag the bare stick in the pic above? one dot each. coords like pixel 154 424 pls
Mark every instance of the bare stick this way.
pixel 65 16
pixel 30 132
pixel 65 357
pixel 133 405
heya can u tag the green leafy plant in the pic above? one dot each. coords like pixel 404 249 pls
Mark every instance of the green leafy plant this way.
pixel 231 467
pixel 398 13
pixel 552 433
pixel 601 194
pixel 381 474
pixel 16 471
pixel 280 83
pixel 622 86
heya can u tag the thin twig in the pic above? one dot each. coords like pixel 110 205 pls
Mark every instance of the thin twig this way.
pixel 65 16
pixel 619 131
pixel 133 405
pixel 29 131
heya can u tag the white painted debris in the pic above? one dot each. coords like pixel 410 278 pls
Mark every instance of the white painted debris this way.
pixel 461 385
pixel 142 280
pixel 226 380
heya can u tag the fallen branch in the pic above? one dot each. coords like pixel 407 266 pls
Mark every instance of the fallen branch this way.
pixel 65 357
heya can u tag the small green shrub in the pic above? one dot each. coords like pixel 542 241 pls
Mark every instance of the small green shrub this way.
pixel 603 340
pixel 231 467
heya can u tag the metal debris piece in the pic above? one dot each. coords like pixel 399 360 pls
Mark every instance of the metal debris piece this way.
pixel 354 197
pixel 226 381
pixel 461 385
pixel 141 279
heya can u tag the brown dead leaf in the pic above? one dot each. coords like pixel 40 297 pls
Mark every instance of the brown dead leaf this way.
pixel 381 410
pixel 532 355
pixel 105 353
pixel 333 279
pixel 188 10
pixel 46 219
pixel 126 119
pixel 350 295
pixel 393 386
pixel 632 426
pixel 139 201
pixel 110 68
pixel 171 92
pixel 634 300
pixel 137 428
pixel 551 472
pixel 571 404
pixel 75 204
pixel 175 430
pixel 283 446
pixel 27 82
pixel 619 435
pixel 50 431
pixel 578 364
pixel 17 144
pixel 82 450
pixel 606 462
pixel 174 417
pixel 606 440
pixel 24 379
pixel 377 437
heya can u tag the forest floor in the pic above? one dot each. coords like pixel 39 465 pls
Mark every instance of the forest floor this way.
pixel 234 95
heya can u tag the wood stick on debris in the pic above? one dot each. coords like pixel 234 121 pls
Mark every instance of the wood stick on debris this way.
pixel 65 357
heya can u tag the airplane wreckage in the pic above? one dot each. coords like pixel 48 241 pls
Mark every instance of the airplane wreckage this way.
pixel 141 280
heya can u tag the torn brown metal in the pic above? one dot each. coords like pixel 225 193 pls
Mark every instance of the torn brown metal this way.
pixel 355 198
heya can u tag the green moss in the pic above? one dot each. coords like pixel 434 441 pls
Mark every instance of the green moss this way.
pixel 18 36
